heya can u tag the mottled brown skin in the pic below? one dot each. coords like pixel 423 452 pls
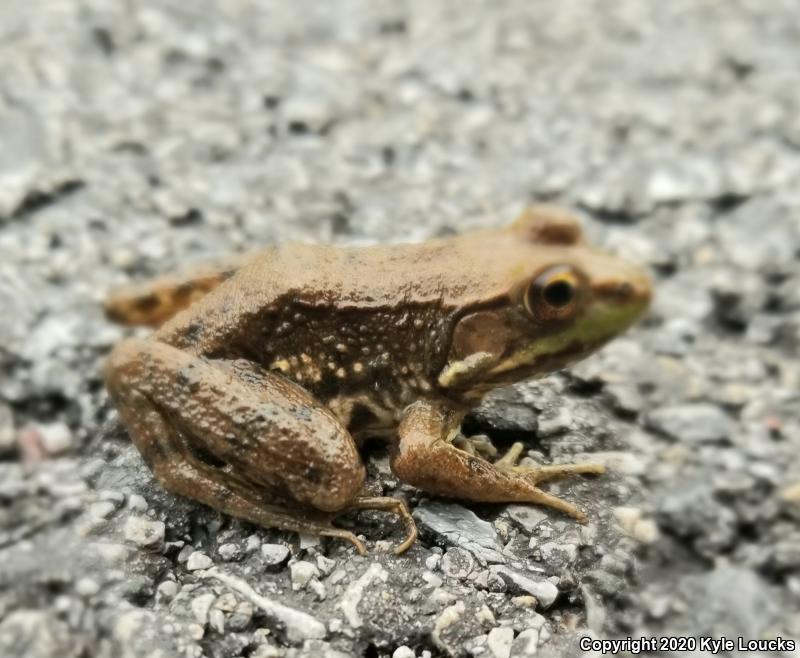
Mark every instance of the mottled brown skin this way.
pixel 253 397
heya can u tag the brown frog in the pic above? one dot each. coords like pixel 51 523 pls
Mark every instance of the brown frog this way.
pixel 254 398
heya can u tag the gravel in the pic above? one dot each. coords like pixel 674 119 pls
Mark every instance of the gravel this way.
pixel 139 139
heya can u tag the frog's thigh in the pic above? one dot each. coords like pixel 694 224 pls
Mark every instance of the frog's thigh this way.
pixel 426 458
pixel 183 473
pixel 247 429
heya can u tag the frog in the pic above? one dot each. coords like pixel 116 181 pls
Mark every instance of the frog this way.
pixel 265 374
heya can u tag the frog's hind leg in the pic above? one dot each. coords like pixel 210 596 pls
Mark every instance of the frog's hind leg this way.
pixel 237 438
pixel 151 303
pixel 181 472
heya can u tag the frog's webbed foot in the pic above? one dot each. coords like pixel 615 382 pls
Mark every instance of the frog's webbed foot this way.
pixel 535 475
pixel 426 458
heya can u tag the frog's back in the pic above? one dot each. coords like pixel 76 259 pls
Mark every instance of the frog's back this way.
pixel 288 285
pixel 388 279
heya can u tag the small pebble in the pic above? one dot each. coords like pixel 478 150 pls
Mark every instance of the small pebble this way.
pixel 403 652
pixel 196 631
pixel 56 438
pixel 166 591
pixel 216 619
pixel 433 561
pixel 137 503
pixel 632 522
pixel 499 642
pixel 325 565
pixel 145 533
pixel 86 587
pixel 201 605
pixel 102 510
pixel 229 552
pixel 198 560
pixel 275 556
pixel 301 574
pixel 525 601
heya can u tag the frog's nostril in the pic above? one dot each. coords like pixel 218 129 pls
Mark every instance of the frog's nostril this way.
pixel 624 291
pixel 618 292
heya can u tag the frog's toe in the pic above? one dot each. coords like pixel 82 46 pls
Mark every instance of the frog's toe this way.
pixel 509 460
pixel 538 474
pixel 389 504
pixel 346 535
pixel 480 445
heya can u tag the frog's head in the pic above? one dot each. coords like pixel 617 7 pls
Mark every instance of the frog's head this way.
pixel 556 300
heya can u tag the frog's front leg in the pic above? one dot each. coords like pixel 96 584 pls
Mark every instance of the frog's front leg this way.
pixel 243 440
pixel 426 457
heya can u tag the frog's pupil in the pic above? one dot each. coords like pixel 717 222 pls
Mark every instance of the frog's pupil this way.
pixel 558 293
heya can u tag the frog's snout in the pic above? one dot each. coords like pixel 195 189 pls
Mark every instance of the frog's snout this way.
pixel 631 292
pixel 621 298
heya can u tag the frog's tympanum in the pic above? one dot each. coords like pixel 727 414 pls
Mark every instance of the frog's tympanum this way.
pixel 270 370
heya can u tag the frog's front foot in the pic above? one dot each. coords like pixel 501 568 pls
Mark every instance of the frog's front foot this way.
pixel 537 474
pixel 426 458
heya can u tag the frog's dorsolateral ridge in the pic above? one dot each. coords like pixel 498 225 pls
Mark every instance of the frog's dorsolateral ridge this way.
pixel 270 367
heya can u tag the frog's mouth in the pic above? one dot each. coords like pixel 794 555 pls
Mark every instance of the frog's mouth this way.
pixel 603 320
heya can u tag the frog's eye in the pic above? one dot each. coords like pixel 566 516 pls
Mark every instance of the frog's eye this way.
pixel 553 295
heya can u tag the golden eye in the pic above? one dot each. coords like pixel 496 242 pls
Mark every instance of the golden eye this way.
pixel 553 295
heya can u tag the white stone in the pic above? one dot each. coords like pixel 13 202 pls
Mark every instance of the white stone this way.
pixel 441 597
pixel 87 587
pixel 56 438
pixel 525 644
pixel 485 615
pixel 137 503
pixel 433 561
pixel 216 619
pixel 499 641
pixel 201 605
pixel 228 551
pixel 634 524
pixel 198 560
pixel 404 652
pixel 449 616
pixel 274 554
pixel 325 565
pixel 167 590
pixel 102 510
pixel 301 573
pixel 145 533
